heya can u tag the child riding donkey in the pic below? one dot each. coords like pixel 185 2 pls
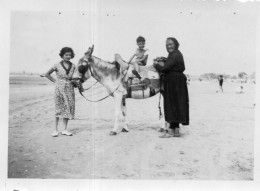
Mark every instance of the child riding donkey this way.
pixel 114 77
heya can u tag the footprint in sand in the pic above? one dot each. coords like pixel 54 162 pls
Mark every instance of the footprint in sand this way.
pixel 158 148
pixel 161 166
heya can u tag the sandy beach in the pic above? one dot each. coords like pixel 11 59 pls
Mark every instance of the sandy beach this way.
pixel 217 145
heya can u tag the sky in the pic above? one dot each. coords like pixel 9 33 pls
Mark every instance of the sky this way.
pixel 219 37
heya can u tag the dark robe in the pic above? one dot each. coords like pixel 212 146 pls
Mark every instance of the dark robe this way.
pixel 176 97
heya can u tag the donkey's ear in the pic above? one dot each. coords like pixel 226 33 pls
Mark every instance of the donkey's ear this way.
pixel 91 50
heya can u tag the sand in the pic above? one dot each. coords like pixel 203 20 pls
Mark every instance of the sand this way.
pixel 217 145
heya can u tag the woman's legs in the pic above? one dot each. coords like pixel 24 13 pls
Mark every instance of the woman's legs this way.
pixel 65 124
pixel 56 123
pixel 56 133
pixel 175 129
pixel 172 127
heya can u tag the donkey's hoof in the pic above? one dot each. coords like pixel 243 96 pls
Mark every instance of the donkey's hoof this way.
pixel 112 133
pixel 124 130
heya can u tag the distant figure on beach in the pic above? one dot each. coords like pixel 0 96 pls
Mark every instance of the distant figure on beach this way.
pixel 240 90
pixel 140 56
pixel 64 90
pixel 220 82
pixel 176 97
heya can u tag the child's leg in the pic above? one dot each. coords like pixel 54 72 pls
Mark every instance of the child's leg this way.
pixel 136 66
pixel 135 71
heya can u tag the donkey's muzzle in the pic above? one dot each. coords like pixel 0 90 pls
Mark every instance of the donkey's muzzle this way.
pixel 82 69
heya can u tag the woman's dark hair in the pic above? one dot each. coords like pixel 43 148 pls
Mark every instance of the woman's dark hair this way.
pixel 66 49
pixel 175 42
pixel 140 39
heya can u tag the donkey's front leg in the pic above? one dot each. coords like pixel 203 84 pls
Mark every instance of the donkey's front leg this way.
pixel 124 112
pixel 118 100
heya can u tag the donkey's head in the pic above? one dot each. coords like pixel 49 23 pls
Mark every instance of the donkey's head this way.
pixel 83 64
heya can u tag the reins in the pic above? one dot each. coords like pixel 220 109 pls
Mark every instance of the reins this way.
pixel 91 86
pixel 159 104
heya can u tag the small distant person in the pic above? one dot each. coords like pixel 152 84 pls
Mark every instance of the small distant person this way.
pixel 220 82
pixel 141 56
pixel 64 90
pixel 240 90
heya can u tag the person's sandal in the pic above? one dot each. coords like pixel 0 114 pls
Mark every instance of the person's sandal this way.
pixel 55 134
pixel 65 132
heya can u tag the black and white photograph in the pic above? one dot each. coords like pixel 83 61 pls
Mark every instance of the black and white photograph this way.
pixel 153 95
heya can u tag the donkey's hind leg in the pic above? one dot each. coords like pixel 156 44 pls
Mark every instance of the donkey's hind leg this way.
pixel 124 112
pixel 118 100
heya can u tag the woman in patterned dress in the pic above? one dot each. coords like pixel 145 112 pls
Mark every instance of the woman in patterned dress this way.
pixel 64 90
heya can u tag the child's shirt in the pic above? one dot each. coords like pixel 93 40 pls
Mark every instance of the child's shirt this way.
pixel 140 55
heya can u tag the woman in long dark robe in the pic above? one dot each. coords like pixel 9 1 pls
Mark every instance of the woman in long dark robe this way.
pixel 176 97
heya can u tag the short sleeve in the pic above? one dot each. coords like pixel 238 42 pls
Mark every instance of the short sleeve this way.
pixel 55 66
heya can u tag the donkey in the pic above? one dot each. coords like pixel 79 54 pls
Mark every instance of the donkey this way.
pixel 114 77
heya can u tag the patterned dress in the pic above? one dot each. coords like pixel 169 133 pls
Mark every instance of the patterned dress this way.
pixel 64 91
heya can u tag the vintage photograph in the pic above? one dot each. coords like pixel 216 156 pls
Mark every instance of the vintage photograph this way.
pixel 134 90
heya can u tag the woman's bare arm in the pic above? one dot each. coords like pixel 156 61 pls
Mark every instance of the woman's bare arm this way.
pixel 48 75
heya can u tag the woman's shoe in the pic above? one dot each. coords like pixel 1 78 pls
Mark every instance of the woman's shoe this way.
pixel 55 134
pixel 166 135
pixel 65 132
pixel 177 132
